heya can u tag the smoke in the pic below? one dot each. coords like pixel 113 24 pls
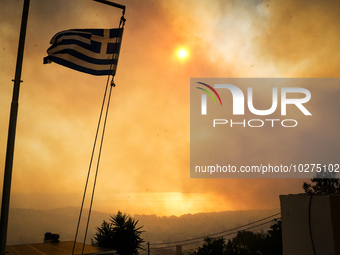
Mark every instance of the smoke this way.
pixel 147 144
pixel 301 38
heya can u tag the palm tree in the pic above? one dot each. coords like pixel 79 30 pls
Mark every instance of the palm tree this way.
pixel 120 234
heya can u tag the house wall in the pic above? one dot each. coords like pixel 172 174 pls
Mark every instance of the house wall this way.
pixel 323 229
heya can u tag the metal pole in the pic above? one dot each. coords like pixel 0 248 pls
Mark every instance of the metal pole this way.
pixel 11 133
pixel 112 4
pixel 148 248
pixel 81 208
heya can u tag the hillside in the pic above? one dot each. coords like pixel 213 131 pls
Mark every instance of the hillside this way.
pixel 29 226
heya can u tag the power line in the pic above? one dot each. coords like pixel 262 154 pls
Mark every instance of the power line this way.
pixel 196 238
pixel 235 232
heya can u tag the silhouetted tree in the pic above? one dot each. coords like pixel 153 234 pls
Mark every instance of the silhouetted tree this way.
pixel 249 242
pixel 274 239
pixel 212 246
pixel 245 243
pixel 120 234
pixel 324 183
pixel 234 249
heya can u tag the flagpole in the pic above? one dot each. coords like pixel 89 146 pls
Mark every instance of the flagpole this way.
pixel 112 4
pixel 11 133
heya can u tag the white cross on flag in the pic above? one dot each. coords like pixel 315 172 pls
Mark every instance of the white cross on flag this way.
pixel 92 51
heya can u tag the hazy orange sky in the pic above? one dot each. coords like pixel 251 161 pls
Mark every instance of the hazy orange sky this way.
pixel 146 152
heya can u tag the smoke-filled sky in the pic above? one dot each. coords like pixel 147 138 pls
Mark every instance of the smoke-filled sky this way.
pixel 146 154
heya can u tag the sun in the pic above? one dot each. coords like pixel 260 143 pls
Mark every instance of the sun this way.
pixel 182 53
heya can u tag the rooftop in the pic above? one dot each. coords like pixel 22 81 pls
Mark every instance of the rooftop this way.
pixel 59 248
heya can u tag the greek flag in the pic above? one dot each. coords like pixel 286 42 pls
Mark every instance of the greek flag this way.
pixel 92 51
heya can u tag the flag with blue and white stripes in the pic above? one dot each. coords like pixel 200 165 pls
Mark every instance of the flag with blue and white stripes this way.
pixel 92 51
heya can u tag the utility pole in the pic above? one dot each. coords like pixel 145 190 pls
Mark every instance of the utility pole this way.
pixel 11 133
